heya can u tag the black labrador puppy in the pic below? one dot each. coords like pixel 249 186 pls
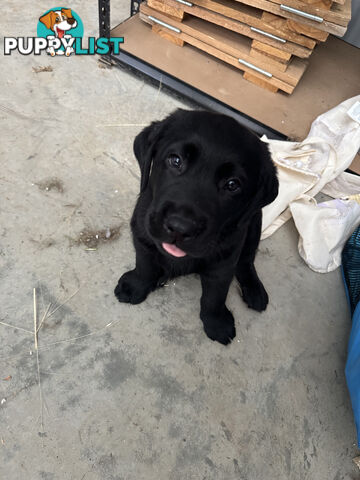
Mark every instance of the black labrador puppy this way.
pixel 204 181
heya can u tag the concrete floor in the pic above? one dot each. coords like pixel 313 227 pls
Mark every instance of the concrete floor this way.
pixel 149 396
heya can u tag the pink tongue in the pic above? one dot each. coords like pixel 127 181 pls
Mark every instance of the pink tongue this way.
pixel 173 250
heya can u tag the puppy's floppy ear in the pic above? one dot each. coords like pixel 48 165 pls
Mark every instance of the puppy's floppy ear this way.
pixel 144 149
pixel 268 184
pixel 67 12
pixel 48 20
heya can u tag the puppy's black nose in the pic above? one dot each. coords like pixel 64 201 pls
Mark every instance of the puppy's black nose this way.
pixel 71 20
pixel 178 225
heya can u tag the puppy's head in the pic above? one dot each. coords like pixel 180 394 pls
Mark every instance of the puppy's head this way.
pixel 205 176
pixel 59 21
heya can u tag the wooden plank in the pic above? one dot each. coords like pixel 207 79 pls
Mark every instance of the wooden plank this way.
pixel 280 24
pixel 311 2
pixel 167 35
pixel 338 14
pixel 275 52
pixel 260 82
pixel 317 92
pixel 307 30
pixel 269 60
pixel 253 17
pixel 170 10
pixel 325 4
pixel 215 52
pixel 243 29
pixel 272 7
pixel 232 44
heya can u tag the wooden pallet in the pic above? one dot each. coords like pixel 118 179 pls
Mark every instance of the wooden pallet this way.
pixel 176 10
pixel 245 14
pixel 227 46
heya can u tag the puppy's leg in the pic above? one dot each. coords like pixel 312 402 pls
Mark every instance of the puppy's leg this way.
pixel 217 319
pixel 135 285
pixel 253 291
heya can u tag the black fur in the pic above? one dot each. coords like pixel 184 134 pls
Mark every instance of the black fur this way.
pixel 186 199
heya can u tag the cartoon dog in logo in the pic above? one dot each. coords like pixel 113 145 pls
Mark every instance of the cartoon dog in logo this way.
pixel 60 22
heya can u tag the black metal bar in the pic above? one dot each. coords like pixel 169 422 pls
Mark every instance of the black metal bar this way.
pixel 134 6
pixel 104 18
pixel 194 94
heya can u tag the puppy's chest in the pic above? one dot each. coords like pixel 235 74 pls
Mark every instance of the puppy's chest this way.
pixel 180 267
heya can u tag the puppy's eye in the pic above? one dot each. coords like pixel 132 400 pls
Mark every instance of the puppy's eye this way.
pixel 175 161
pixel 232 185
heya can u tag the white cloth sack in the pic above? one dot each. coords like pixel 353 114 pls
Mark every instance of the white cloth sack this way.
pixel 309 167
pixel 324 229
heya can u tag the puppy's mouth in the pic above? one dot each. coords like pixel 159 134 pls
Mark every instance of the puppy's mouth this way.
pixel 60 33
pixel 176 235
pixel 173 250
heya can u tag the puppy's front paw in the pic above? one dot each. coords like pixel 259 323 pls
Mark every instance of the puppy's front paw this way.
pixel 219 327
pixel 255 295
pixel 131 288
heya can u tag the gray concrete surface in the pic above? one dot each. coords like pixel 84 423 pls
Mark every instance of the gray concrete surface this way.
pixel 148 396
